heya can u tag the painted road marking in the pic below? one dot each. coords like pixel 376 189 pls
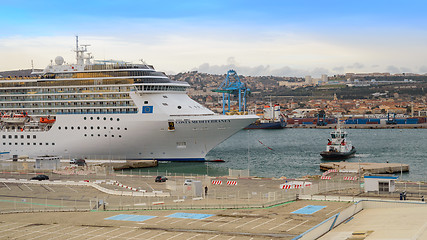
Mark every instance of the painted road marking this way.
pixel 194 236
pixel 175 236
pixel 296 226
pixel 61 229
pixel 128 217
pixel 122 234
pixel 28 187
pixel 104 233
pixel 280 224
pixel 63 232
pixel 157 235
pixel 237 219
pixel 79 235
pixel 309 209
pixel 177 221
pixel 161 220
pixel 70 233
pixel 137 236
pixel 214 237
pixel 263 223
pixel 190 215
pixel 7 186
pixel 247 222
pixel 37 231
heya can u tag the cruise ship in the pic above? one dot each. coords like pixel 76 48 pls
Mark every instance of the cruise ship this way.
pixel 108 110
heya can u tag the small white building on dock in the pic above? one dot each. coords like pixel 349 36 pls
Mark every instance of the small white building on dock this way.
pixel 380 183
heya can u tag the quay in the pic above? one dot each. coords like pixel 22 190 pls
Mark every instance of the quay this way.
pixel 365 167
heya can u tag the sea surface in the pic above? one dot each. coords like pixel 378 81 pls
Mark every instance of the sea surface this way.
pixel 294 152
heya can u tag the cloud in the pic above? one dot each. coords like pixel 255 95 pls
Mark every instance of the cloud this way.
pixel 393 69
pixel 423 69
pixel 356 65
pixel 260 70
pixel 339 69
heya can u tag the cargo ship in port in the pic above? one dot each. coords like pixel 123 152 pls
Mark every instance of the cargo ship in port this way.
pixel 272 118
pixel 108 110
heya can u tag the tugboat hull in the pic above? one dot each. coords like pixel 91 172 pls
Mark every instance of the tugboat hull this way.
pixel 338 155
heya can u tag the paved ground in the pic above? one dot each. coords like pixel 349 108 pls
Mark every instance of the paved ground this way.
pixel 389 223
pixel 276 222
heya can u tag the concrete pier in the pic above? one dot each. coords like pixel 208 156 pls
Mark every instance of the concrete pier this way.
pixel 366 167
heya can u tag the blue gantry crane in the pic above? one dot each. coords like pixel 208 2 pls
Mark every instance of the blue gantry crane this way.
pixel 232 86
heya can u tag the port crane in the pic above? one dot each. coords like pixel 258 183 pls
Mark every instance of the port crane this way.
pixel 232 86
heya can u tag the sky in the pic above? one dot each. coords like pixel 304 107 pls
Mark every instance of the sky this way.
pixel 277 37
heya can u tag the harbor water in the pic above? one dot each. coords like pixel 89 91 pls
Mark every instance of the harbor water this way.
pixel 294 152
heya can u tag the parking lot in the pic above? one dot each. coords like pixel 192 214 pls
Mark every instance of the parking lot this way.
pixel 268 223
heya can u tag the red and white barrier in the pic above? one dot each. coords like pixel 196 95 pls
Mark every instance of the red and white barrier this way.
pixel 232 183
pixel 350 178
pixel 329 171
pixel 325 177
pixel 295 185
pixel 216 182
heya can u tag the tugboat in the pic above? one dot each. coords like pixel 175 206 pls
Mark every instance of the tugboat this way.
pixel 338 147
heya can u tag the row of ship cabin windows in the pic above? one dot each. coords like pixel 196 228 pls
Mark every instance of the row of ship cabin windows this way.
pixel 99 135
pixel 91 127
pixel 47 144
pixel 16 136
pixel 159 88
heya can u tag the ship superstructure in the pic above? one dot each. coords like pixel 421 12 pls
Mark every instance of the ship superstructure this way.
pixel 108 110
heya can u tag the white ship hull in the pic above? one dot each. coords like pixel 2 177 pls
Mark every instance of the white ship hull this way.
pixel 129 136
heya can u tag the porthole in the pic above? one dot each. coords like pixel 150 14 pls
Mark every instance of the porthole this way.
pixel 16 136
pixel 53 143
pixel 65 128
pixel 111 128
pixel 40 144
pixel 59 128
pixel 105 127
pixel 28 137
pixel 85 135
pixel 105 135
pixel 78 128
pixel 118 128
pixel 22 143
pixel 111 119
pixel 99 135
pixel 10 136
pixel 91 118
pixel 118 119
pixel 22 136
pixel 97 118
pixel 4 143
pixel 72 128
pixel 28 143
pixel 98 127
pixel 91 127
pixel 126 129
pixel 34 136
pixel 91 135
pixel 145 102
pixel 112 135
pixel 84 118
pixel 16 143
pixel 179 107
pixel 85 127
pixel 120 136
pixel 105 118
pixel 10 143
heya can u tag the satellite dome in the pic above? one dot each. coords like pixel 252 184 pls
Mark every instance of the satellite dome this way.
pixel 59 60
